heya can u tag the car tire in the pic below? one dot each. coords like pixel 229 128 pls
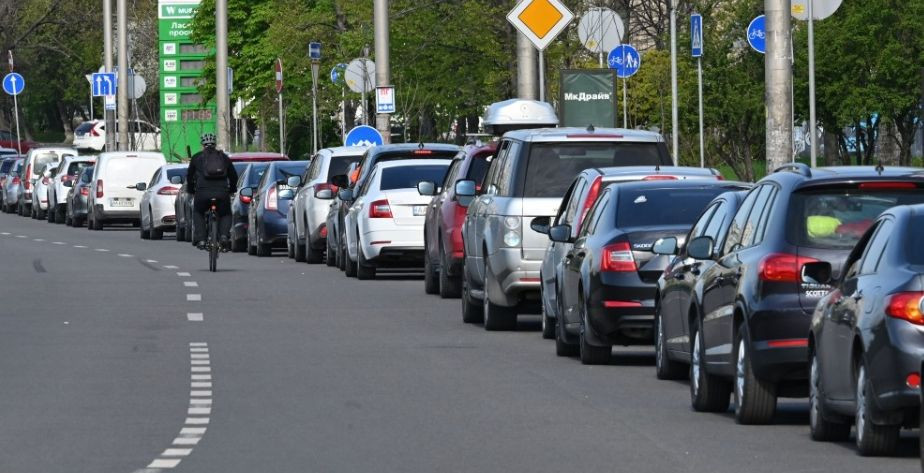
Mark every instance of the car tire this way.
pixel 562 347
pixel 822 429
pixel 238 246
pixel 755 399
pixel 872 440
pixel 431 278
pixel 51 215
pixel 364 270
pixel 180 233
pixel 330 256
pixel 301 252
pixel 496 317
pixel 311 255
pixel 264 249
pixel 665 367
pixel 472 312
pixel 156 233
pixel 591 354
pixel 548 323
pixel 251 249
pixel 341 255
pixel 145 232
pixel 349 265
pixel 61 214
pixel 290 249
pixel 708 392
pixel 450 286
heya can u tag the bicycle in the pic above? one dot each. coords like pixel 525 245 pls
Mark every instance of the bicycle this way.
pixel 213 245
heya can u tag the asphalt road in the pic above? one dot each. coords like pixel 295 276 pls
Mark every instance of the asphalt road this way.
pixel 107 366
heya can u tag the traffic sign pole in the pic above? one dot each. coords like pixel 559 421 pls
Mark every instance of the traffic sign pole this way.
pixel 813 134
pixel 16 114
pixel 696 46
pixel 675 131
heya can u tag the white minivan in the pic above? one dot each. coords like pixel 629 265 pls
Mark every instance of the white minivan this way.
pixel 114 197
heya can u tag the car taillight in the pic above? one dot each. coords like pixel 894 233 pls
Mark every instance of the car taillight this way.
pixel 45 181
pixel 99 188
pixel 168 190
pixel 591 198
pixel 245 199
pixel 906 306
pixel 93 132
pixel 84 191
pixel 659 178
pixel 271 200
pixel 781 267
pixel 16 181
pixel 888 185
pixel 423 152
pixel 327 186
pixel 380 209
pixel 618 258
pixel 67 178
pixel 28 184
pixel 323 231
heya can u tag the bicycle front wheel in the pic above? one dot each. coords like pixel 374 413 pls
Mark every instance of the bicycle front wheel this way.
pixel 213 244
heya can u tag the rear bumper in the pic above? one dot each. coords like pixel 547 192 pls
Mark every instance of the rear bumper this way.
pixel 103 215
pixel 774 322
pixel 406 242
pixel 620 309
pixel 890 365
pixel 273 229
pixel 516 279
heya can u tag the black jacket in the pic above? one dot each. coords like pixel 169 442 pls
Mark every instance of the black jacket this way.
pixel 196 180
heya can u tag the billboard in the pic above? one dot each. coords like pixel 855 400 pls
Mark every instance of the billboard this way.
pixel 588 97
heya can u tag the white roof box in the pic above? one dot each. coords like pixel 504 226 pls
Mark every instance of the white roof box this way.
pixel 518 114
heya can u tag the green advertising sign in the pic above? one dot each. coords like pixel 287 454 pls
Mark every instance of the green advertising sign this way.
pixel 588 97
pixel 174 9
pixel 175 29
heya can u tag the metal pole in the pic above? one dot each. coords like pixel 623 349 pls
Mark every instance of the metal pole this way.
pixel 365 86
pixel 382 63
pixel 107 64
pixel 282 131
pixel 625 105
pixel 813 132
pixel 675 128
pixel 122 92
pixel 315 133
pixel 221 70
pixel 702 145
pixel 91 103
pixel 778 78
pixel 526 68
pixel 16 119
pixel 541 76
pixel 343 111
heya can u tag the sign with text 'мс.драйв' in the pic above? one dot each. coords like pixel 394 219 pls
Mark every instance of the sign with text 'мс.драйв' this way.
pixel 588 97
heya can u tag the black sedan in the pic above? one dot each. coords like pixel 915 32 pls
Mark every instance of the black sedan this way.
pixel 866 344
pixel 610 275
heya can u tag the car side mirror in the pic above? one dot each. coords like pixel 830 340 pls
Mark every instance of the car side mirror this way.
pixel 286 194
pixel 176 180
pixel 426 188
pixel 701 248
pixel 465 191
pixel 294 181
pixel 665 246
pixel 345 195
pixel 246 192
pixel 46 174
pixel 324 194
pixel 816 273
pixel 68 183
pixel 340 180
pixel 560 233
pixel 541 224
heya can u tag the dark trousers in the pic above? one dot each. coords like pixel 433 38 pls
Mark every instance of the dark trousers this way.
pixel 201 206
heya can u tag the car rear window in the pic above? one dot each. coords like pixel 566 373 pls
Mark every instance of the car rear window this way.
pixel 284 171
pixel 42 160
pixel 171 173
pixel 339 164
pixel 407 177
pixel 5 166
pixel 552 166
pixel 87 175
pixel 238 167
pixel 84 127
pixel 256 172
pixel 650 207
pixel 836 219
pixel 74 168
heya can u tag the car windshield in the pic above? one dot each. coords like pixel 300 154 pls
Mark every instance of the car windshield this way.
pixel 286 170
pixel 256 172
pixel 552 166
pixel 44 159
pixel 171 173
pixel 836 219
pixel 339 164
pixel 5 166
pixel 649 207
pixel 407 177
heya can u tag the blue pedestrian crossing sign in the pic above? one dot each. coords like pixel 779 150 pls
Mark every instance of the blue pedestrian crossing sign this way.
pixel 363 135
pixel 626 60
pixel 103 83
pixel 696 35
pixel 13 84
pixel 757 34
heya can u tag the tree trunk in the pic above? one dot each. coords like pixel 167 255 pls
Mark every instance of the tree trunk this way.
pixel 831 149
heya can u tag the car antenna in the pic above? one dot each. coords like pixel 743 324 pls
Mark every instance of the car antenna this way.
pixel 880 167
pixel 590 128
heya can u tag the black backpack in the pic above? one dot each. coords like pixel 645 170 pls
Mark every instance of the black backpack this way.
pixel 213 164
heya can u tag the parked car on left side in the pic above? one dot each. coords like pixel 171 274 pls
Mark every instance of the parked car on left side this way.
pixel 6 165
pixel 67 171
pixel 157 211
pixel 267 226
pixel 12 188
pixel 116 198
pixel 34 202
pixel 77 197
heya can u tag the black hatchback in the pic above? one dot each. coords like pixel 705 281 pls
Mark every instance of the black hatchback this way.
pixel 752 317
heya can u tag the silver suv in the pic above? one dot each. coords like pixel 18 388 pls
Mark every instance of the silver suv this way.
pixel 528 177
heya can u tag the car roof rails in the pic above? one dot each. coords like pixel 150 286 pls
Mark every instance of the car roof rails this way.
pixel 799 168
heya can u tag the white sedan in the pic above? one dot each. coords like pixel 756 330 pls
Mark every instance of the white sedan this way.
pixel 384 226
pixel 157 210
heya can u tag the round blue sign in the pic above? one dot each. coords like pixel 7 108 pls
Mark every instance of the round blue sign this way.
pixel 336 73
pixel 13 84
pixel 757 34
pixel 363 135
pixel 626 60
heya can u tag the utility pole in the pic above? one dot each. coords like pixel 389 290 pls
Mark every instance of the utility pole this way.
pixel 778 78
pixel 107 64
pixel 527 87
pixel 122 107
pixel 382 67
pixel 675 131
pixel 221 71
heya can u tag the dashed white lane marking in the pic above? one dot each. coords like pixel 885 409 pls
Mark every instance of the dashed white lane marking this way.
pixel 193 297
pixel 194 317
pixel 4 233
pixel 198 344
pixel 200 384
pixel 170 266
pixel 164 463
pixel 102 250
pixel 190 284
pixel 21 236
pixel 197 420
pixel 79 246
pixel 199 356
pixel 198 350
pixel 182 274
pixel 58 243
pixel 150 261
pixel 176 452
pixel 125 255
pixel 38 239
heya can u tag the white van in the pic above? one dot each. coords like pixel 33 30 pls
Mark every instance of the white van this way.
pixel 114 198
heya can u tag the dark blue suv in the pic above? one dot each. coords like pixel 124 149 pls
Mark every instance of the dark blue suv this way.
pixel 754 305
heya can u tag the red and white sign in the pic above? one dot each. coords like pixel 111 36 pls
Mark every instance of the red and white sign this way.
pixel 278 75
pixel 385 99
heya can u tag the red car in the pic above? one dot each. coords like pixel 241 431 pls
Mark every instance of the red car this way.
pixel 8 140
pixel 443 249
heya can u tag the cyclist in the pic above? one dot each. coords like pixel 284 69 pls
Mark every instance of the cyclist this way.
pixel 211 175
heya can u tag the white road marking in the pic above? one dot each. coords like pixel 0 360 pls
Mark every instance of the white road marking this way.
pixel 199 356
pixel 125 255
pixel 200 393
pixel 4 233
pixel 199 362
pixel 198 344
pixel 199 411
pixel 183 274
pixel 198 350
pixel 197 420
pixel 187 431
pixel 176 452
pixel 170 266
pixel 201 377
pixel 186 441
pixel 200 384
pixel 150 260
pixel 58 243
pixel 164 463
pixel 194 317
pixel 21 236
pixel 193 297
pixel 79 246
pixel 201 369
pixel 190 284
pixel 200 402
pixel 102 250
pixel 38 239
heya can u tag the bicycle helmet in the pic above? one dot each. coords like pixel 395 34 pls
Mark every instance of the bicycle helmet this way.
pixel 208 139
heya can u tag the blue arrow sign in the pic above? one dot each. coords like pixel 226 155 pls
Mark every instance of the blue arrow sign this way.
pixel 13 84
pixel 757 34
pixel 696 35
pixel 626 60
pixel 363 135
pixel 103 83
pixel 336 73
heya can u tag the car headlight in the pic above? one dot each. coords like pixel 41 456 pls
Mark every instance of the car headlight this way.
pixel 512 238
pixel 512 223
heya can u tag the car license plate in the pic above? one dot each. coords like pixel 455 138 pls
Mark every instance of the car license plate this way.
pixel 420 210
pixel 120 202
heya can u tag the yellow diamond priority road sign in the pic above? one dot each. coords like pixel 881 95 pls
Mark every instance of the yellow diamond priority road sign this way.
pixel 540 20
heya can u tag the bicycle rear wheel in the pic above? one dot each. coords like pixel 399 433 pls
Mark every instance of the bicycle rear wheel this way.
pixel 213 242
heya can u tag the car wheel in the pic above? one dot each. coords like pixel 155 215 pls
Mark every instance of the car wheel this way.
pixel 301 252
pixel 562 346
pixel 497 317
pixel 145 233
pixel 341 255
pixel 180 233
pixel 330 256
pixel 591 354
pixel 823 430
pixel 708 393
pixel 290 249
pixel 156 233
pixel 450 286
pixel 665 368
pixel 251 249
pixel 431 281
pixel 364 270
pixel 349 265
pixel 872 439
pixel 61 214
pixel 264 249
pixel 548 323
pixel 311 255
pixel 51 214
pixel 472 312
pixel 755 399
pixel 238 245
